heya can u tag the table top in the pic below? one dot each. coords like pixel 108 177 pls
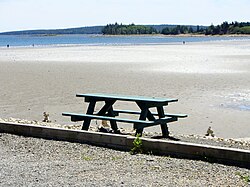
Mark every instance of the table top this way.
pixel 104 97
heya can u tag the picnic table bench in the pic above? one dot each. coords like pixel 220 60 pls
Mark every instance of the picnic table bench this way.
pixel 107 112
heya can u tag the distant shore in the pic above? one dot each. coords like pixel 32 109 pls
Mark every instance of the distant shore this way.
pixel 170 35
pixel 182 35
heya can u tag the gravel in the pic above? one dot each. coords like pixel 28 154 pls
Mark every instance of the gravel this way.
pixel 26 161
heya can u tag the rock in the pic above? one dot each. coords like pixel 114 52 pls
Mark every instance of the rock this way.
pixel 46 117
pixel 104 129
pixel 210 132
pixel 105 123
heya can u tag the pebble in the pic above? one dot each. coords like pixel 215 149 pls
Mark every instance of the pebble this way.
pixel 26 161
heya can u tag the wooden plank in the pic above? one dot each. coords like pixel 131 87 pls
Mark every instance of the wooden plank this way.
pixel 176 115
pixel 90 111
pixel 112 122
pixel 154 113
pixel 143 117
pixel 105 97
pixel 157 122
pixel 164 127
pixel 81 117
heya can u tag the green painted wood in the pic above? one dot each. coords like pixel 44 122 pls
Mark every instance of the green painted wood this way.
pixel 112 122
pixel 105 97
pixel 90 111
pixel 81 117
pixel 108 105
pixel 164 127
pixel 157 122
pixel 176 115
pixel 147 118
pixel 154 113
pixel 143 117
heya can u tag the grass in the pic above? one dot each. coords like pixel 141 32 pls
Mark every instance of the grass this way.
pixel 87 158
pixel 246 178
pixel 137 149
pixel 167 157
pixel 116 158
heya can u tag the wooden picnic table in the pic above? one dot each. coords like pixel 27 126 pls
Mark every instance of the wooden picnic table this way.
pixel 107 112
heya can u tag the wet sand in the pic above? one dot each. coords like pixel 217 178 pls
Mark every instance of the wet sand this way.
pixel 210 79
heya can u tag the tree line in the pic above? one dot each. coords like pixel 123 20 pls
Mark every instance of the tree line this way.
pixel 181 29
pixel 229 28
pixel 224 28
pixel 120 29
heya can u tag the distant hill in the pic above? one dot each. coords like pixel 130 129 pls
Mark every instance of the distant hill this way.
pixel 82 30
pixel 79 30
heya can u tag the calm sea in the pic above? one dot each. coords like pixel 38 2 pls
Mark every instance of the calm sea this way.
pixel 61 40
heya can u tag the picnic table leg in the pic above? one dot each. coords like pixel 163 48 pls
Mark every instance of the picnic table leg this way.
pixel 108 107
pixel 90 110
pixel 113 123
pixel 164 127
pixel 143 116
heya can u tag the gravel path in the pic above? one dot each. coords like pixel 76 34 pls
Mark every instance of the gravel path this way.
pixel 28 161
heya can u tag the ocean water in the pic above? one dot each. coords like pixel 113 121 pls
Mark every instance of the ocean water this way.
pixel 61 40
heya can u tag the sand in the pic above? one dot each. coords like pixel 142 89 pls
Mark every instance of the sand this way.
pixel 210 79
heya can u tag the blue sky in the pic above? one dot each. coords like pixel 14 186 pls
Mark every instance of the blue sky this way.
pixel 48 14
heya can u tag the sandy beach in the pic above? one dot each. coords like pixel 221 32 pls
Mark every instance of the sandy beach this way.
pixel 210 79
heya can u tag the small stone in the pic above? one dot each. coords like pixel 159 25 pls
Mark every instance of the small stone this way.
pixel 210 132
pixel 46 117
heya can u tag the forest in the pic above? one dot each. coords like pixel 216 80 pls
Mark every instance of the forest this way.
pixel 229 28
pixel 120 29
pixel 224 28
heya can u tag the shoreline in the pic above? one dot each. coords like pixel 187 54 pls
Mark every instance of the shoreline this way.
pixel 222 38
pixel 172 35
pixel 54 46
pixel 184 35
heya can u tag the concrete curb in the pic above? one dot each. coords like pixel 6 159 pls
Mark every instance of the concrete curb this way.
pixel 209 153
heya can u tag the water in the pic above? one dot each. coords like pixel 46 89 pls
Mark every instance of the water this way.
pixel 60 40
pixel 238 101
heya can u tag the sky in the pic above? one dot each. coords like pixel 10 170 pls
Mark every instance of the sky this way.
pixel 53 14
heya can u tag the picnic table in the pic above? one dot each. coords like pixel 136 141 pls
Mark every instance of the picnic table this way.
pixel 147 118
